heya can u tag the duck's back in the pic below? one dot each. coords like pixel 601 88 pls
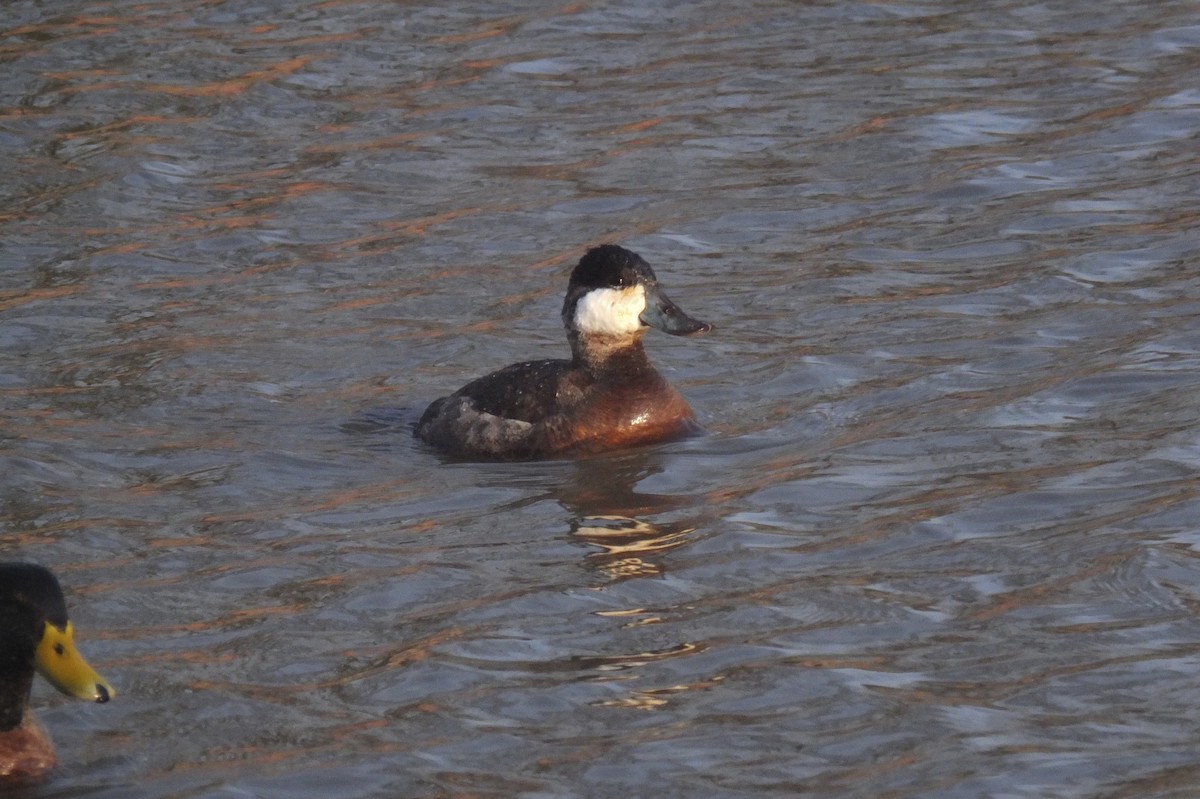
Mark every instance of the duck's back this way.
pixel 528 391
pixel 548 408
pixel 494 415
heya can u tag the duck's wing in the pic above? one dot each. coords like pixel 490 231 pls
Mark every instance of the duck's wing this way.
pixel 494 416
pixel 524 392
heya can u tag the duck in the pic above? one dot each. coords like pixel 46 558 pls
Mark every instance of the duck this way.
pixel 35 635
pixel 607 396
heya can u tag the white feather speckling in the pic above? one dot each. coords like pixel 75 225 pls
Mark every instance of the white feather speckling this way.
pixel 610 312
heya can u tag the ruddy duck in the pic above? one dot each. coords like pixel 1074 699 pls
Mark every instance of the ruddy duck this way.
pixel 35 635
pixel 606 397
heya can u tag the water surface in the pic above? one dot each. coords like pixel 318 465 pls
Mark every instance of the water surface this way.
pixel 940 539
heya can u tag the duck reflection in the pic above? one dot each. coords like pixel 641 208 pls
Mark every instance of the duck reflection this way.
pixel 628 546
pixel 608 508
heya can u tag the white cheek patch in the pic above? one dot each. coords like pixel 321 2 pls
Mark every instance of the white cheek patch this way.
pixel 611 312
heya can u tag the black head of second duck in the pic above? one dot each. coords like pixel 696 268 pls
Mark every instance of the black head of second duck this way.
pixel 35 635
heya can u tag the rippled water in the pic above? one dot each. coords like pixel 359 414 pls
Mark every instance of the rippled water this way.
pixel 941 539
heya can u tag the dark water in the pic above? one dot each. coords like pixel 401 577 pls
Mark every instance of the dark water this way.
pixel 941 539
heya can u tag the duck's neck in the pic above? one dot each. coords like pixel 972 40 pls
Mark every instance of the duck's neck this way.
pixel 16 671
pixel 598 353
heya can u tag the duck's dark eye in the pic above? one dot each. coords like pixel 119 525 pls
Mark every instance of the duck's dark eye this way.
pixel 58 650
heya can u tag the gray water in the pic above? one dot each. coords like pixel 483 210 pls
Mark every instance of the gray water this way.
pixel 940 540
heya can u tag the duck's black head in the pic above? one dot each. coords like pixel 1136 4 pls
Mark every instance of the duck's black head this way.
pixel 37 634
pixel 611 266
pixel 614 293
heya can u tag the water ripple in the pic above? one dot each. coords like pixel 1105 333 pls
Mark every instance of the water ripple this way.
pixel 938 541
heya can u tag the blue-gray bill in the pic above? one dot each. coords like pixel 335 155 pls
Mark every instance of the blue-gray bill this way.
pixel 668 317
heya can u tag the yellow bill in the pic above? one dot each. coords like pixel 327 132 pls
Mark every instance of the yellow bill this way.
pixel 60 663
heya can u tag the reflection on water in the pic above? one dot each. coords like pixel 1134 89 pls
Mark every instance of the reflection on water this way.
pixel 603 494
pixel 939 541
pixel 629 545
